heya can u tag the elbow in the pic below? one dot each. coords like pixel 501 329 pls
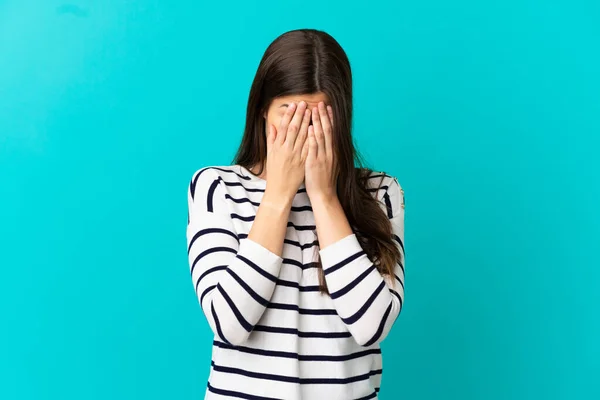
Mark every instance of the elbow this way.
pixel 228 330
pixel 368 337
pixel 362 339
pixel 373 332
pixel 233 335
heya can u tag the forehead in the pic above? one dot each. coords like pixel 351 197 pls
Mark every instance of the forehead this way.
pixel 311 99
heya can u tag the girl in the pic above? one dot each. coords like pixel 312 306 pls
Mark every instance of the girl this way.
pixel 296 253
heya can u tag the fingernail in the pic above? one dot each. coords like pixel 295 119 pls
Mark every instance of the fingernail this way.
pixel 292 105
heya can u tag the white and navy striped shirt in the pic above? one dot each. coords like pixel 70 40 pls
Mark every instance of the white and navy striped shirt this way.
pixel 275 335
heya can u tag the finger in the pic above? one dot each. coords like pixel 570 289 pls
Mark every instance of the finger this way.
pixel 285 120
pixel 330 112
pixel 303 132
pixel 304 154
pixel 326 124
pixel 313 148
pixel 294 126
pixel 271 135
pixel 318 131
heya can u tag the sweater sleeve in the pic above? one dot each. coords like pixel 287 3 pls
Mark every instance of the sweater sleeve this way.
pixel 367 302
pixel 234 278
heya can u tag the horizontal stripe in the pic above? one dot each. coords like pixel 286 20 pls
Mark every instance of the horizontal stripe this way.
pixel 208 272
pixel 263 302
pixel 344 262
pixel 242 218
pixel 296 285
pixel 275 306
pixel 288 241
pixel 278 281
pixel 302 311
pixel 352 319
pixel 352 285
pixel 242 200
pixel 399 280
pixel 298 264
pixel 399 263
pixel 255 190
pixel 258 298
pixel 246 178
pixel 239 395
pixel 378 176
pixel 376 189
pixel 247 189
pixel 301 208
pixel 377 334
pixel 397 239
pixel 245 324
pixel 257 204
pixel 257 268
pixel 302 246
pixel 296 356
pixel 207 291
pixel 301 227
pixel 217 323
pixel 294 379
pixel 194 181
pixel 202 232
pixel 210 251
pixel 250 218
pixel 302 334
pixel 211 194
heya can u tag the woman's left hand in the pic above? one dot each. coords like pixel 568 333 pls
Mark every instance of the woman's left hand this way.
pixel 319 172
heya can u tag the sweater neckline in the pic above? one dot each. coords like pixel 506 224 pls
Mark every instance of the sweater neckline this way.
pixel 250 175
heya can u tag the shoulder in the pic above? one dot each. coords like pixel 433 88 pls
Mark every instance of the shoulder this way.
pixel 385 188
pixel 379 182
pixel 213 176
pixel 206 190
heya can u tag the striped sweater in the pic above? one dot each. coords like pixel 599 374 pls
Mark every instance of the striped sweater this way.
pixel 275 335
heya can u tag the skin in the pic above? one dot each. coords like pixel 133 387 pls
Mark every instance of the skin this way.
pixel 298 151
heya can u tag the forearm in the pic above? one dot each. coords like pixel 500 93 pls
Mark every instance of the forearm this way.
pixel 360 294
pixel 240 295
pixel 234 277
pixel 330 219
pixel 270 224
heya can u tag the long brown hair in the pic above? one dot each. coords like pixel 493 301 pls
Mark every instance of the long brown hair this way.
pixel 307 61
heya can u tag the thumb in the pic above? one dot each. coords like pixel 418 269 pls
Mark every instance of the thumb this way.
pixel 311 143
pixel 272 135
pixel 304 151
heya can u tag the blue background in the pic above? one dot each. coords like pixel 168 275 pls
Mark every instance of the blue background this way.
pixel 487 112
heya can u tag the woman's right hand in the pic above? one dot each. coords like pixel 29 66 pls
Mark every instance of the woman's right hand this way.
pixel 287 149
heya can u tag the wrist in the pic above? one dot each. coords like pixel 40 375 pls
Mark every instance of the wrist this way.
pixel 324 199
pixel 277 201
